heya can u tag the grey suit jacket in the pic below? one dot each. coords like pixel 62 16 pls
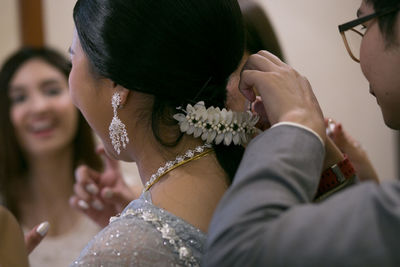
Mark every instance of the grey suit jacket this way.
pixel 267 219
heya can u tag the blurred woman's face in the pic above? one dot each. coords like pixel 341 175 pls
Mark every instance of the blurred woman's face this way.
pixel 44 119
pixel 380 64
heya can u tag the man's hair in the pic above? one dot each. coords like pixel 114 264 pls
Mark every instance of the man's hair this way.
pixel 387 23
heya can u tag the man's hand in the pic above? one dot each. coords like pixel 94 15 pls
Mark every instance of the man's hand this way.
pixel 287 96
pixel 354 151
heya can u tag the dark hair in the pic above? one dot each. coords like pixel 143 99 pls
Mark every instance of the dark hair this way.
pixel 179 51
pixel 260 34
pixel 387 23
pixel 13 165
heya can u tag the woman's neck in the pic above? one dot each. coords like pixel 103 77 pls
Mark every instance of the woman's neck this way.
pixel 191 191
pixel 45 195
pixel 150 155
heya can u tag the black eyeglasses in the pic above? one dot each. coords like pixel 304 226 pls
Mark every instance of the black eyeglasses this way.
pixel 352 36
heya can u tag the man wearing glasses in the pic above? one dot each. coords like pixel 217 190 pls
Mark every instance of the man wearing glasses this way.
pixel 266 218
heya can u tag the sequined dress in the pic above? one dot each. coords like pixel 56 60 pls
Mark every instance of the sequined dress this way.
pixel 144 235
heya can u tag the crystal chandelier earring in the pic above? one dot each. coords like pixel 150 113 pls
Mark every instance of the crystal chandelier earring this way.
pixel 117 129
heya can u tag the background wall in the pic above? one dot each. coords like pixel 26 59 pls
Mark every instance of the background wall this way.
pixel 308 32
pixel 9 28
pixel 58 23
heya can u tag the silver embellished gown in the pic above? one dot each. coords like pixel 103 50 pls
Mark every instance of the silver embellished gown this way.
pixel 144 235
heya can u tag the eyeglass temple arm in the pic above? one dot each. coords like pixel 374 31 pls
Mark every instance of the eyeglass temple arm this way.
pixel 346 26
pixel 346 44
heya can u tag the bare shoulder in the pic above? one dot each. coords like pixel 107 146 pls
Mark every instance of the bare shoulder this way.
pixel 12 245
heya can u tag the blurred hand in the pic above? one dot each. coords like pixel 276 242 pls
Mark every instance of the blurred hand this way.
pixel 35 236
pixel 357 155
pixel 102 195
pixel 287 96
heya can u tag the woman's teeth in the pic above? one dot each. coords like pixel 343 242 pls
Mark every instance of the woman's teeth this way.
pixel 41 126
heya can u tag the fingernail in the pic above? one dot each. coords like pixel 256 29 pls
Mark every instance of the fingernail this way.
pixel 43 228
pixel 108 193
pixel 83 205
pixel 92 189
pixel 330 128
pixel 97 204
pixel 76 174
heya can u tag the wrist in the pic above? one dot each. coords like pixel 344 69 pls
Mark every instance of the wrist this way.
pixel 332 154
pixel 335 178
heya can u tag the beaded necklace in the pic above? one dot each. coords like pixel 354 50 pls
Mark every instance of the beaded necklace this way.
pixel 190 155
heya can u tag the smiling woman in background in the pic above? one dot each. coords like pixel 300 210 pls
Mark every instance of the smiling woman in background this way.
pixel 43 138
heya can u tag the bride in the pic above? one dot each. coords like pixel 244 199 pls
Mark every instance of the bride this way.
pixel 150 77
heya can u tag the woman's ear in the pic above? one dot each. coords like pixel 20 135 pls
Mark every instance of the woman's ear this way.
pixel 123 93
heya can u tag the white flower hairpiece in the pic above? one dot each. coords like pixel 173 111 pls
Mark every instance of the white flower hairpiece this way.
pixel 215 125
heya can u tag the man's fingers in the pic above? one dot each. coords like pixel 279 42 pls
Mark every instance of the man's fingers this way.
pixel 258 107
pixel 35 236
pixel 272 58
pixel 247 84
pixel 287 96
pixel 259 62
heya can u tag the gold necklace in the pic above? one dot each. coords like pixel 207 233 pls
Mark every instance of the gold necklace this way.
pixel 190 155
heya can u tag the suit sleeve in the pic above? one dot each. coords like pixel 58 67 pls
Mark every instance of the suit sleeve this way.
pixel 266 218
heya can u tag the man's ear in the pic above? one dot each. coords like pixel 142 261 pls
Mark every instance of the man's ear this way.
pixel 123 93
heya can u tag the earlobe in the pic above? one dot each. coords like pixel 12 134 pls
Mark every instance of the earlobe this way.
pixel 123 93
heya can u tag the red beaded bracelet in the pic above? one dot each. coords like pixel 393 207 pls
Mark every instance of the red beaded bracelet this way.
pixel 335 178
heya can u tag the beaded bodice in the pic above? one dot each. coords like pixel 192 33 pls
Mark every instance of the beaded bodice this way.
pixel 144 235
